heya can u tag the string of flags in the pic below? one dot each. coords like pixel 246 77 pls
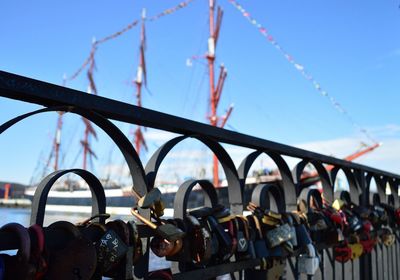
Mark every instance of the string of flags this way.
pixel 171 10
pixel 300 68
pixel 90 59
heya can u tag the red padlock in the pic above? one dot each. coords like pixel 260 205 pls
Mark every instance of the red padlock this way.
pixel 397 215
pixel 367 242
pixel 343 253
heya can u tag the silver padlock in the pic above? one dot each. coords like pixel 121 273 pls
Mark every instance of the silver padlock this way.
pixel 279 235
pixel 340 235
pixel 308 263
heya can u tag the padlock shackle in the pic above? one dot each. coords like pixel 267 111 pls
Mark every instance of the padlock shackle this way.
pixel 183 193
pixel 287 187
pixel 311 250
pixel 317 199
pixel 42 191
pixel 39 233
pixel 24 239
pixel 261 197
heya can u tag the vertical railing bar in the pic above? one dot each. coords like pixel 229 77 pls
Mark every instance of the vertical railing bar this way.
pixel 376 262
pixel 397 258
pixel 292 267
pixel 332 262
pixel 393 264
pixel 322 265
pixel 382 260
pixel 387 261
pixel 343 274
pixel 352 269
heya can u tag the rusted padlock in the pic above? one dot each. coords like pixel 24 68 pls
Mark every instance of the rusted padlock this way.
pixel 74 259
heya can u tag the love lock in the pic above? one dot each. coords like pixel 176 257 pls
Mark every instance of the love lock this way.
pixel 356 250
pixel 39 257
pixel 397 216
pixel 242 235
pixel 162 247
pixel 260 245
pixel 342 253
pixel 279 235
pixel 153 200
pixel 18 266
pixel 388 238
pixel 308 263
pixel 2 267
pixel 75 259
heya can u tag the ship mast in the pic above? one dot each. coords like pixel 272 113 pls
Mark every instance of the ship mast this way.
pixel 57 139
pixel 141 78
pixel 215 90
pixel 88 153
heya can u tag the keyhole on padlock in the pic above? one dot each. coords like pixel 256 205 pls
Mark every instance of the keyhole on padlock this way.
pixel 77 273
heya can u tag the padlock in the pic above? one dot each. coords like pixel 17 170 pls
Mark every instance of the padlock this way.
pixel 75 259
pixel 252 233
pixel 354 222
pixel 230 227
pixel 164 274
pixel 153 200
pixel 356 250
pixel 18 266
pixel 388 238
pixel 113 249
pixel 278 235
pixel 2 267
pixel 198 241
pixel 224 239
pixel 289 219
pixel 260 245
pixel 338 204
pixel 397 216
pixel 342 252
pixel 222 212
pixel 135 242
pixel 38 256
pixel 303 237
pixel 201 212
pixel 242 235
pixel 308 263
pixel 150 198
pixel 166 231
pixel 162 247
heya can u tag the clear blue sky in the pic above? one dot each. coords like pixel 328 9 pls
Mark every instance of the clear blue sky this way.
pixel 352 48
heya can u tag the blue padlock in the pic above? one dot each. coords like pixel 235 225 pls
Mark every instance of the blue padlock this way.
pixel 2 267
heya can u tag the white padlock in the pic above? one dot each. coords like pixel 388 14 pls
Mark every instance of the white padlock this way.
pixel 308 263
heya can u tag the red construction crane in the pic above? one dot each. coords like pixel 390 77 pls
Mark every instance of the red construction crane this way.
pixel 216 90
pixel 360 153
pixel 313 177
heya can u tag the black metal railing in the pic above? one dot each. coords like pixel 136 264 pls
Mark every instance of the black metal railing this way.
pixel 381 263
